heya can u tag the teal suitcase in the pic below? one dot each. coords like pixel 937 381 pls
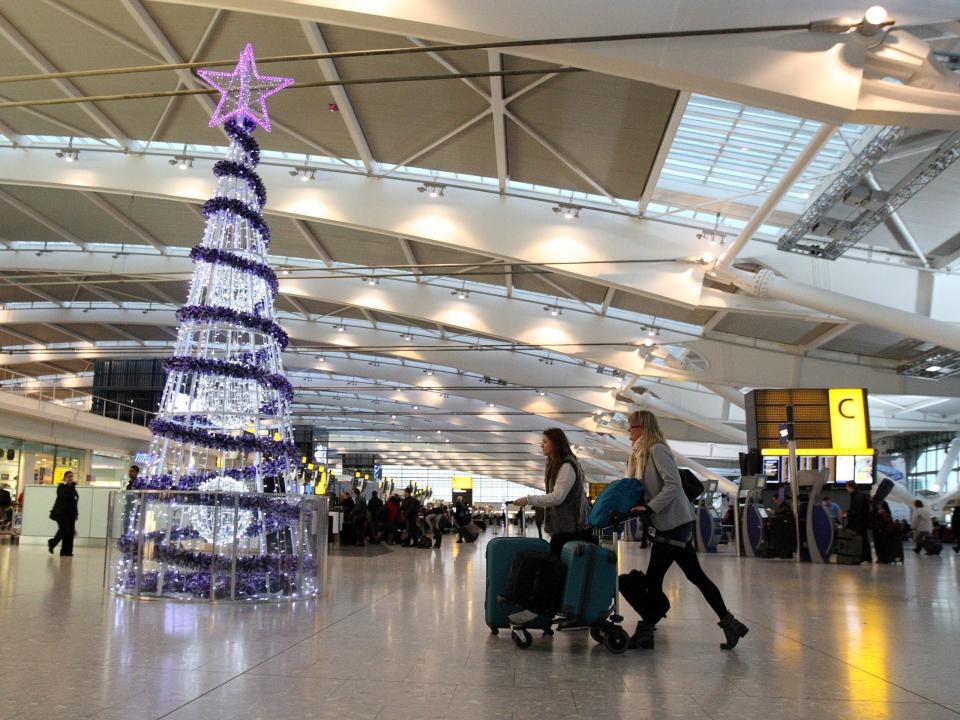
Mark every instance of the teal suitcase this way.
pixel 500 554
pixel 591 585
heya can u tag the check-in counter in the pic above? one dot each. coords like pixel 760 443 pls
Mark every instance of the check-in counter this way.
pixel 91 523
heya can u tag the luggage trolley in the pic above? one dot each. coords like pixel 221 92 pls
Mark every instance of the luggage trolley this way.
pixel 586 604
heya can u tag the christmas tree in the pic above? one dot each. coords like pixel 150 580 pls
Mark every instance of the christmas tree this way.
pixel 223 427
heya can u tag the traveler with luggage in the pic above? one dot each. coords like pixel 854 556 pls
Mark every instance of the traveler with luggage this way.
pixel 64 513
pixel 566 508
pixel 858 519
pixel 360 517
pixel 461 516
pixel 391 513
pixel 672 516
pixel 922 525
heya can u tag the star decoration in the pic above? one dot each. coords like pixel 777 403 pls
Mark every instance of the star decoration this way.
pixel 243 92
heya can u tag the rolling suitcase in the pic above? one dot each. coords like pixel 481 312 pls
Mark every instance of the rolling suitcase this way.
pixel 470 532
pixel 932 546
pixel 636 591
pixel 849 548
pixel 501 552
pixel 591 585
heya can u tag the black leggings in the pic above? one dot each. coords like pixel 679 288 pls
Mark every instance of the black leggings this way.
pixel 663 555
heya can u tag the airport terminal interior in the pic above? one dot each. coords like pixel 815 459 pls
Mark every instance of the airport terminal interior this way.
pixel 381 360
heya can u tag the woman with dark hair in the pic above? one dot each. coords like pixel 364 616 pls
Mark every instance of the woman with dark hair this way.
pixel 64 513
pixel 671 515
pixel 566 509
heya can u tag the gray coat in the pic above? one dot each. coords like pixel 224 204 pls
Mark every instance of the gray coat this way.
pixel 663 491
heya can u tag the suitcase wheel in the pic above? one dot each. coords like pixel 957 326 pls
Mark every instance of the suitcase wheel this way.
pixel 616 641
pixel 493 630
pixel 522 638
pixel 597 635
pixel 548 632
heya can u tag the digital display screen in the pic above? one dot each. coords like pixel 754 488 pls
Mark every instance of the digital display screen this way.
pixel 845 468
pixel 863 470
pixel 771 469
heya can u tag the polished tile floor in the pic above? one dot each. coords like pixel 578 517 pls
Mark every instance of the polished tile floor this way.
pixel 401 635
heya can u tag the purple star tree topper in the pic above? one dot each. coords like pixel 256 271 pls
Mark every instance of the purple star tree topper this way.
pixel 244 92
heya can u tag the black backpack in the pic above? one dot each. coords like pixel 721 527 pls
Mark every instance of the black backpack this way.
pixel 535 582
pixel 692 487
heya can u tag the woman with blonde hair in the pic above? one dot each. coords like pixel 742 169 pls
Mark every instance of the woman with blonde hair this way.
pixel 672 516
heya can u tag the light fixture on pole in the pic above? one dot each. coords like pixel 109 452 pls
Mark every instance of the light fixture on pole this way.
pixel 408 336
pixel 462 293
pixel 873 20
pixel 432 189
pixel 69 154
pixel 372 281
pixel 567 211
pixel 340 328
pixel 554 310
pixel 304 173
pixel 184 162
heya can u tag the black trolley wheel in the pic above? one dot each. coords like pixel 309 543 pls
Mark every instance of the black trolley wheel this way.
pixel 597 635
pixel 548 632
pixel 494 630
pixel 616 641
pixel 522 638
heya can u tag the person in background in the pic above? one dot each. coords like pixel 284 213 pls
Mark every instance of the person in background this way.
pixel 374 509
pixel 566 508
pixel 391 513
pixel 672 516
pixel 348 531
pixel 461 516
pixel 781 506
pixel 538 515
pixel 410 507
pixel 955 528
pixel 858 519
pixel 65 513
pixel 831 509
pixel 359 516
pixel 922 525
pixel 6 506
pixel 432 518
pixel 133 472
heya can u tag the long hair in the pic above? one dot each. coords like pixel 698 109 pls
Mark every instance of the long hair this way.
pixel 652 435
pixel 562 452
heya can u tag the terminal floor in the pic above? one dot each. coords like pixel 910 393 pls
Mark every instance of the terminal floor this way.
pixel 401 635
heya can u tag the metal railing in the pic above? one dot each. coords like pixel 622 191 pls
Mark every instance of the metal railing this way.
pixel 83 400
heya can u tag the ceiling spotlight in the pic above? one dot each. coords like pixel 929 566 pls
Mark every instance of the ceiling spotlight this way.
pixel 873 19
pixel 429 371
pixel 432 189
pixel 652 332
pixel 541 393
pixel 320 358
pixel 371 281
pixel 648 342
pixel 304 173
pixel 568 211
pixel 490 404
pixel 181 161
pixel 416 407
pixel 554 310
pixel 707 258
pixel 393 417
pixel 439 432
pixel 461 294
pixel 285 271
pixel 407 336
pixel 419 437
pixel 447 440
pixel 340 328
pixel 68 155
pixel 934 368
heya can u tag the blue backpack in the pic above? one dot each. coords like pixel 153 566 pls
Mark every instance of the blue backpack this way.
pixel 616 499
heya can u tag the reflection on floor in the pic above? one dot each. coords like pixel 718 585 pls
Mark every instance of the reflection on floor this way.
pixel 402 636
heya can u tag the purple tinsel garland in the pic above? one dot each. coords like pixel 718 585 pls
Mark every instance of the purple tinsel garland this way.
pixel 198 583
pixel 225 257
pixel 229 168
pixel 192 482
pixel 197 436
pixel 241 132
pixel 203 366
pixel 213 314
pixel 195 560
pixel 240 208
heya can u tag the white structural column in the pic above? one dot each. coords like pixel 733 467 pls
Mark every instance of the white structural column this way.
pixel 37 59
pixel 344 106
pixel 774 197
pixel 768 284
pixel 648 401
pixel 499 125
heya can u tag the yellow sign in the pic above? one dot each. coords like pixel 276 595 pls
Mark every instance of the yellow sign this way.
pixel 462 482
pixel 848 419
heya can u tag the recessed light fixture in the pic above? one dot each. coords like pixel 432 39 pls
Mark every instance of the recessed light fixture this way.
pixel 371 281
pixel 69 154
pixel 340 328
pixel 934 368
pixel 393 417
pixel 541 393
pixel 554 310
pixel 490 404
pixel 461 294
pixel 416 407
pixel 429 371
pixel 407 336
pixel 432 189
pixel 567 211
